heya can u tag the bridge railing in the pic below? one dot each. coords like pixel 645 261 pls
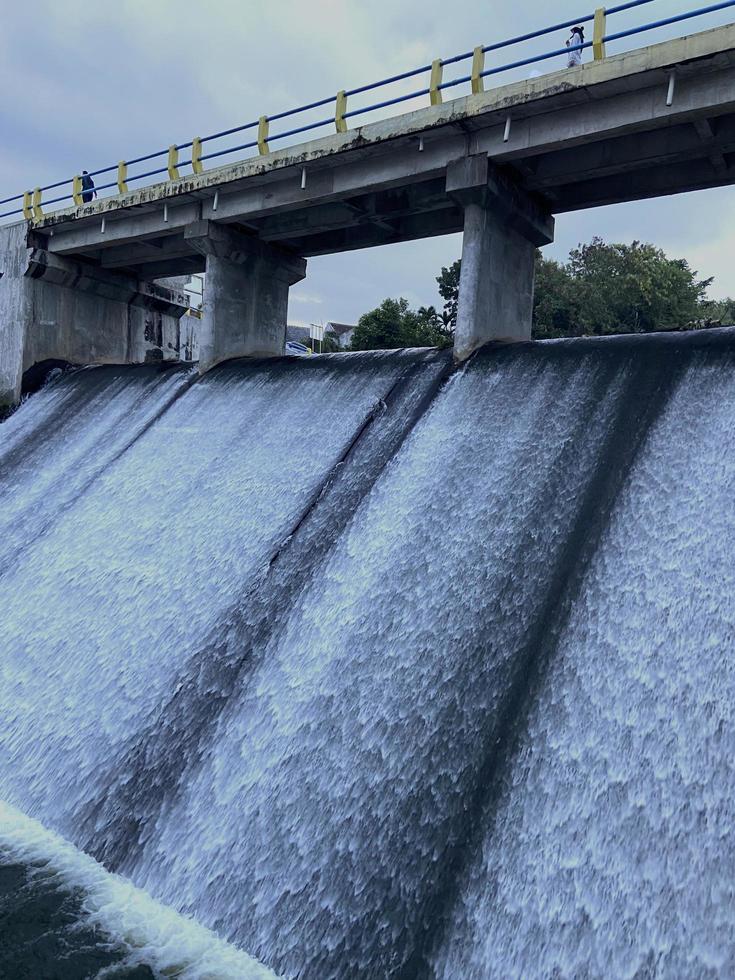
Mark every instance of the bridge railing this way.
pixel 31 204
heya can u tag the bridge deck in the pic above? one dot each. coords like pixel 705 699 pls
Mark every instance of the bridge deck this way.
pixel 578 138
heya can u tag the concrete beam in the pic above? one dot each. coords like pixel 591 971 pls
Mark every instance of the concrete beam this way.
pixel 212 239
pixel 628 154
pixel 380 209
pixel 643 184
pixel 601 119
pixel 717 146
pixel 475 180
pixel 399 168
pixel 719 163
pixel 704 130
pixel 123 228
pixel 409 228
pixel 168 268
pixel 85 278
pixel 130 257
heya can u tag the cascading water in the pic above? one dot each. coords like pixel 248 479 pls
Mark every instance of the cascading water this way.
pixel 609 849
pixel 381 672
pixel 54 448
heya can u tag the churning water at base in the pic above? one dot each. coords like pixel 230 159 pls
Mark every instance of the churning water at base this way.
pixel 379 670
pixel 64 916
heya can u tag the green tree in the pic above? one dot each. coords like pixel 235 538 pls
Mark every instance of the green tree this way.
pixel 328 345
pixel 448 282
pixel 605 289
pixel 719 312
pixel 633 289
pixel 394 324
pixel 555 301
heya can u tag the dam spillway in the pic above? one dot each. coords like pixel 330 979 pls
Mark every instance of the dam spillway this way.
pixel 377 668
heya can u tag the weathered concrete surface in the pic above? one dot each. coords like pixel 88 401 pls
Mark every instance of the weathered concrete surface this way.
pixel 246 295
pixel 496 283
pixel 12 312
pixel 190 327
pixel 53 308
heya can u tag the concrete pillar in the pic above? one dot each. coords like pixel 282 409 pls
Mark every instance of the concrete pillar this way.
pixel 54 308
pixel 245 293
pixel 12 311
pixel 503 226
pixel 496 283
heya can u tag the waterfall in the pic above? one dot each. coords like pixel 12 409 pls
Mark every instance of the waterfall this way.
pixel 379 668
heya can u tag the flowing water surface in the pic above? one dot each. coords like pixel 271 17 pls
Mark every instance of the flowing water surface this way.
pixel 376 668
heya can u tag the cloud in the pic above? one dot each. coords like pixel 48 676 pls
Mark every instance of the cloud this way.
pixel 296 296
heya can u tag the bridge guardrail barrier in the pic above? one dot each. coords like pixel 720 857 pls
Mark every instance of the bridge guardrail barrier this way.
pixel 32 204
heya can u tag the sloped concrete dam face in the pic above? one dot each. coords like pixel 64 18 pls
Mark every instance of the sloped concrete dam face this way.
pixel 379 670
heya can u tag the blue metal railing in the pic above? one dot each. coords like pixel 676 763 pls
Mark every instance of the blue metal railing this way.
pixel 33 204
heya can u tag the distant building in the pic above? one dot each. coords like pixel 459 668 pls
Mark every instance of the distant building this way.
pixel 342 333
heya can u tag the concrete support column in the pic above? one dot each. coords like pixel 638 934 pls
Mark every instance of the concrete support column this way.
pixel 245 294
pixel 13 305
pixel 502 228
pixel 496 283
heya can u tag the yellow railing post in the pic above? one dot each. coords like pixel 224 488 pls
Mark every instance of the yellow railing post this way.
pixel 598 35
pixel 478 66
pixel 173 160
pixel 27 206
pixel 339 112
pixel 122 177
pixel 437 70
pixel 196 155
pixel 76 191
pixel 37 209
pixel 263 128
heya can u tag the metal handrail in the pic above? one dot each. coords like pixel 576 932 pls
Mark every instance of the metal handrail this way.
pixel 33 203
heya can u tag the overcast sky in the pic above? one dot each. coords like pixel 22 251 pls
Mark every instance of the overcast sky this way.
pixel 85 84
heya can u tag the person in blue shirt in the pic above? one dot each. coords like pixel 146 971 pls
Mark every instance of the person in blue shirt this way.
pixel 88 191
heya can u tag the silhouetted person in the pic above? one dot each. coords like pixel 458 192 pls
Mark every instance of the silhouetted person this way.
pixel 88 191
pixel 574 58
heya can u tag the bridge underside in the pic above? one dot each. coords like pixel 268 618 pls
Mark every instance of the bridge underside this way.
pixel 692 155
pixel 611 131
pixel 596 135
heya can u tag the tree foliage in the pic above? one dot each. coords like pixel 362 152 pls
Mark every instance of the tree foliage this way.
pixel 719 312
pixel 606 289
pixel 631 289
pixel 602 289
pixel 448 282
pixel 394 324
pixel 327 345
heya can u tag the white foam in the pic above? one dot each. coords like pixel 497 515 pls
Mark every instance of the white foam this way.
pixel 171 944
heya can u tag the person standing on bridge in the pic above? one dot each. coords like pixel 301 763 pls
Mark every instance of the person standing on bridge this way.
pixel 574 58
pixel 88 191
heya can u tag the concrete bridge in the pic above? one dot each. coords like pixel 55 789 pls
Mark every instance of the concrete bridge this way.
pixel 497 165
